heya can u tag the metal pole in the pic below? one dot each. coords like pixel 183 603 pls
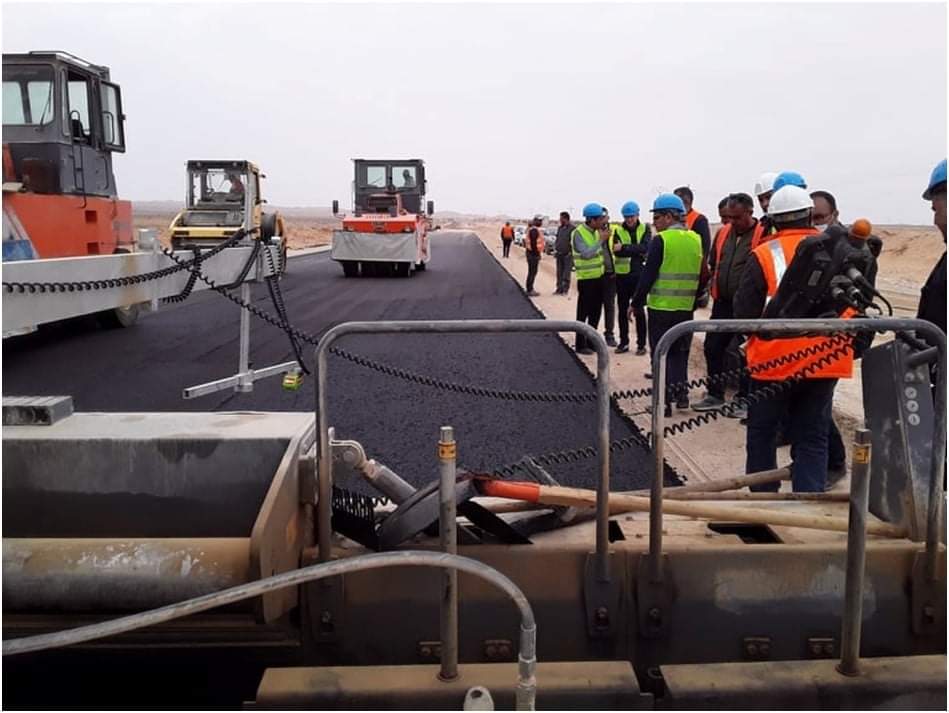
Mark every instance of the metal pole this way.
pixel 603 446
pixel 856 555
pixel 447 528
pixel 244 361
pixel 658 451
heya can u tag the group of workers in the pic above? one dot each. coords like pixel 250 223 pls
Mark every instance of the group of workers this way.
pixel 673 265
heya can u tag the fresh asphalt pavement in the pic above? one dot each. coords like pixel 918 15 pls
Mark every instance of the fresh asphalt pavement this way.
pixel 145 368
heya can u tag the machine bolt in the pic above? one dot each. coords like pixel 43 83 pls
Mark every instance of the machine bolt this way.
pixel 829 649
pixel 765 649
pixel 655 614
pixel 602 616
pixel 491 651
pixel 815 648
pixel 929 613
pixel 426 652
pixel 751 649
pixel 504 651
pixel 326 617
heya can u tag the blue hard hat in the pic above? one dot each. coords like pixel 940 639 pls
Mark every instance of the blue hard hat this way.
pixel 631 208
pixel 668 201
pixel 938 176
pixel 789 178
pixel 592 210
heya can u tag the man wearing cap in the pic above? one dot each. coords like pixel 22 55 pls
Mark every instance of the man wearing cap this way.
pixel 932 298
pixel 587 246
pixel 674 275
pixel 764 189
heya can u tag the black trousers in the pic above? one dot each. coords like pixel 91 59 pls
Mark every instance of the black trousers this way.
pixel 717 348
pixel 564 266
pixel 609 303
pixel 506 247
pixel 625 289
pixel 677 370
pixel 533 261
pixel 589 305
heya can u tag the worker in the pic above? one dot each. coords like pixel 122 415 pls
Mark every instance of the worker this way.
pixel 789 178
pixel 630 242
pixel 673 276
pixel 806 403
pixel 587 248
pixel 764 188
pixel 697 223
pixel 534 245
pixel 507 237
pixel 563 253
pixel 932 298
pixel 236 191
pixel 722 218
pixel 609 280
pixel 408 180
pixel 733 244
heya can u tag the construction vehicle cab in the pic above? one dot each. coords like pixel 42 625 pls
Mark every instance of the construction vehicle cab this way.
pixel 220 198
pixel 388 230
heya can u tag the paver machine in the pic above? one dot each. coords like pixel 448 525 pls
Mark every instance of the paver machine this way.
pixel 222 197
pixel 62 121
pixel 387 233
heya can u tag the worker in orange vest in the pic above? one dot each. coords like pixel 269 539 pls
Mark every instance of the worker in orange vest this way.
pixel 507 237
pixel 733 245
pixel 697 223
pixel 534 244
pixel 806 405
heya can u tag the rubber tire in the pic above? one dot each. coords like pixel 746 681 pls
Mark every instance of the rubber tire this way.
pixel 120 317
pixel 403 269
pixel 268 225
pixel 350 268
pixel 367 269
pixel 284 259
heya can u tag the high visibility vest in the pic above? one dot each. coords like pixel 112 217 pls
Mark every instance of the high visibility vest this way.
pixel 691 217
pixel 587 268
pixel 530 243
pixel 758 236
pixel 507 232
pixel 678 281
pixel 620 231
pixel 774 256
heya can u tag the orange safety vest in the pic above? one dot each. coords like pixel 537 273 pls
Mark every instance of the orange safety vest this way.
pixel 507 232
pixel 691 217
pixel 757 237
pixel 774 257
pixel 539 243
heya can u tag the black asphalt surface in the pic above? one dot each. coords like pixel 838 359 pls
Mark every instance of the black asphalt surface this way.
pixel 146 367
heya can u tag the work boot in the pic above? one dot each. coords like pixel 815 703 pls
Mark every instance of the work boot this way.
pixel 622 349
pixel 610 341
pixel 640 351
pixel 709 403
pixel 739 409
pixel 533 293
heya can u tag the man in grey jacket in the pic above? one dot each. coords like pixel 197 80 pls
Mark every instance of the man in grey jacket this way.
pixel 564 254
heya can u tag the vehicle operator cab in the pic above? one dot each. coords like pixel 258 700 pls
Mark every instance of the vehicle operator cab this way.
pixel 378 182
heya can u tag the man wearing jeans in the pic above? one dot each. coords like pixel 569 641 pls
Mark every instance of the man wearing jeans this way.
pixel 534 245
pixel 564 254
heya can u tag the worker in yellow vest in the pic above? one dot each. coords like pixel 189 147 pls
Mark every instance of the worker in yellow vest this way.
pixel 587 246
pixel 673 276
pixel 630 242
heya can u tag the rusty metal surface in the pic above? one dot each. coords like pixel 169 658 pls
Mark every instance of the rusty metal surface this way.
pixel 98 575
pixel 573 685
pixel 907 683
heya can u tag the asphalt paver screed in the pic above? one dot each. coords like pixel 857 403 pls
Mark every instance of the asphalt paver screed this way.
pixel 146 367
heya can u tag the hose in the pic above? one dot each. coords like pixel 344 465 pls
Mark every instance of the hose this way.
pixel 527 655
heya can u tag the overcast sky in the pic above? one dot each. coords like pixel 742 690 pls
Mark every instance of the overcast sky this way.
pixel 524 108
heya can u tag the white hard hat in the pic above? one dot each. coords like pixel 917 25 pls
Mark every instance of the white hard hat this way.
pixel 765 184
pixel 789 203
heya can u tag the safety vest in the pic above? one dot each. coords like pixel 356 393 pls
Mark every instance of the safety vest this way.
pixel 530 243
pixel 774 256
pixel 691 217
pixel 622 265
pixel 507 232
pixel 587 268
pixel 758 236
pixel 678 280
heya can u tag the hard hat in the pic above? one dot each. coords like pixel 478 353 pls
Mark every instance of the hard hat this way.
pixel 789 178
pixel 631 208
pixel 592 210
pixel 765 184
pixel 789 200
pixel 938 176
pixel 668 201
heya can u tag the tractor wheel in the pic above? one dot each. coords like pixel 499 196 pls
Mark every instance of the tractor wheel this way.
pixel 350 268
pixel 119 317
pixel 367 269
pixel 403 269
pixel 283 260
pixel 268 226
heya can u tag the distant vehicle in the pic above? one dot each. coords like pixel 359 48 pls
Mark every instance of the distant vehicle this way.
pixel 550 239
pixel 519 235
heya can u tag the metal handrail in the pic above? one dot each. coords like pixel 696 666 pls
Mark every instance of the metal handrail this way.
pixel 934 335
pixel 494 326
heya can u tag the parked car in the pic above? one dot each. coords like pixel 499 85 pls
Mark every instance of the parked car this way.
pixel 519 235
pixel 550 239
